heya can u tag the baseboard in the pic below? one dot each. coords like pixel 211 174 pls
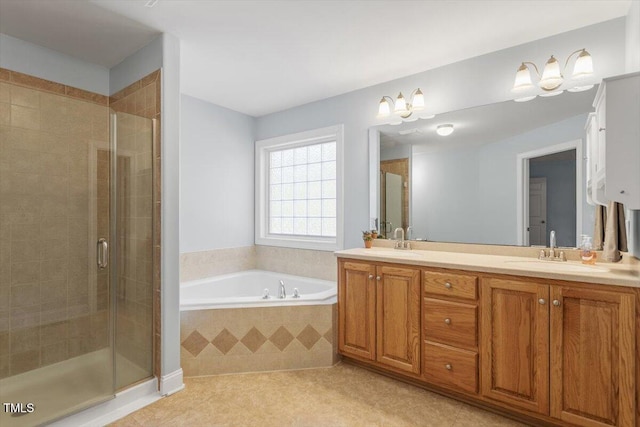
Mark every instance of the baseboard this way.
pixel 124 403
pixel 171 383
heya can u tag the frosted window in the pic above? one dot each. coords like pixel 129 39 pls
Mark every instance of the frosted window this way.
pixel 314 172
pixel 300 173
pixel 287 174
pixel 302 200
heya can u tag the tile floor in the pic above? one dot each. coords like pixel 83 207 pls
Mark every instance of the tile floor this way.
pixel 343 395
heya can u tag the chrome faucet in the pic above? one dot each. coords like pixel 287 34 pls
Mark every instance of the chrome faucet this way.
pixel 552 250
pixel 400 244
pixel 282 293
pixel 409 233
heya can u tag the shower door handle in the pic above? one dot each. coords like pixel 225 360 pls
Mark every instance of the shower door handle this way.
pixel 103 253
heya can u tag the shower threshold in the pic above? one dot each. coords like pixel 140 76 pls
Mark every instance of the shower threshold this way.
pixel 60 389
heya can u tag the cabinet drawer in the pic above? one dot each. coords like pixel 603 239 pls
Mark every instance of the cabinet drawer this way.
pixel 451 323
pixel 451 367
pixel 450 285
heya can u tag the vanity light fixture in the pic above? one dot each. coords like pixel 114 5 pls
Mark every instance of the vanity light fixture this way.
pixel 401 107
pixel 552 77
pixel 444 130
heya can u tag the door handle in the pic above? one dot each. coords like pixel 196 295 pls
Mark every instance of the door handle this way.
pixel 103 253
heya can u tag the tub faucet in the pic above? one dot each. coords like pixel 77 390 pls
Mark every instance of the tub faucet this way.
pixel 282 293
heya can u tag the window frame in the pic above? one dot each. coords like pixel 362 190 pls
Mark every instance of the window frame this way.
pixel 262 150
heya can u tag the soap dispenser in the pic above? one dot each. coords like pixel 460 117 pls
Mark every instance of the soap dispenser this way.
pixel 587 254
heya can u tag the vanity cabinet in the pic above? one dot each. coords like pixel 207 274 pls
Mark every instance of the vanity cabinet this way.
pixel 592 356
pixel 515 338
pixel 379 314
pixel 357 309
pixel 450 330
pixel 553 351
pixel 562 351
pixel 613 140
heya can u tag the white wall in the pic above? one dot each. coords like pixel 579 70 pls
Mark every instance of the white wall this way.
pixel 216 177
pixel 170 274
pixel 477 81
pixel 633 37
pixel 164 52
pixel 134 67
pixel 28 58
pixel 633 65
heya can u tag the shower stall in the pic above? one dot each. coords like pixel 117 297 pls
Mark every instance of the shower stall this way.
pixel 77 221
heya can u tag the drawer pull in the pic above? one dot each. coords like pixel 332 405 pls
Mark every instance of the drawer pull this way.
pixel 447 321
pixel 447 285
pixel 448 367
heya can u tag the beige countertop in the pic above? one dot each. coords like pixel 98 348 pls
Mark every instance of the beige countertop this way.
pixel 602 273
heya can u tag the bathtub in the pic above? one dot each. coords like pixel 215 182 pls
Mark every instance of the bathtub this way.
pixel 246 289
pixel 227 327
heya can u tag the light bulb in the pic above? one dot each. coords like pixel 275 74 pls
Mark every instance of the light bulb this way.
pixel 418 100
pixel 551 76
pixel 401 104
pixel 583 67
pixel 523 79
pixel 444 130
pixel 384 109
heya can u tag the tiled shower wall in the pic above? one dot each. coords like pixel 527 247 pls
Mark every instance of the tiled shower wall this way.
pixel 54 192
pixel 138 189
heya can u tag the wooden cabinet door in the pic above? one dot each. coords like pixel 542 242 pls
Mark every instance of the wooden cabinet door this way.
pixel 515 343
pixel 357 309
pixel 592 357
pixel 398 318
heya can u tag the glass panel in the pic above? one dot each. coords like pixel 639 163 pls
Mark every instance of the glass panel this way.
pixel 55 351
pixel 134 247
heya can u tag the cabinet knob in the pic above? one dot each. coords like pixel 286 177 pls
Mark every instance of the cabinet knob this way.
pixel 556 302
pixel 601 129
pixel 448 366
pixel 371 276
pixel 621 191
pixel 542 301
pixel 447 285
pixel 447 321
pixel 378 278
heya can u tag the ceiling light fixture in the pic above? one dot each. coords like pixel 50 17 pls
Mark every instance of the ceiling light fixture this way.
pixel 444 130
pixel 401 107
pixel 552 77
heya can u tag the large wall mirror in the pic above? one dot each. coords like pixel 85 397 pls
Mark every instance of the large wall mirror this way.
pixel 508 174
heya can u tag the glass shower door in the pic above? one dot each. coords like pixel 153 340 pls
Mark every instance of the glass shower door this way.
pixel 56 352
pixel 132 192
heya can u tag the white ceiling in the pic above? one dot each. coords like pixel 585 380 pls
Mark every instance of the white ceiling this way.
pixel 258 57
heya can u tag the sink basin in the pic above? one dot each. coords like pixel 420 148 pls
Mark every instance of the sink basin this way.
pixel 535 264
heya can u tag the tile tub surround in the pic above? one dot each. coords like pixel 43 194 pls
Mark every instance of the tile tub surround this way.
pixel 223 341
pixel 200 265
pixel 298 262
pixel 343 395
